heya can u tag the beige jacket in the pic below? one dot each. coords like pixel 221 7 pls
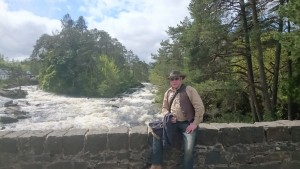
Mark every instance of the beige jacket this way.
pixel 176 109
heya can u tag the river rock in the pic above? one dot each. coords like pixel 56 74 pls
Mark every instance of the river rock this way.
pixel 12 114
pixel 115 106
pixel 14 94
pixel 10 103
pixel 4 101
pixel 15 111
pixel 7 119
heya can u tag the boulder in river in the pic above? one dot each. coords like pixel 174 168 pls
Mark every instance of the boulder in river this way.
pixel 5 101
pixel 12 114
pixel 15 111
pixel 14 94
pixel 7 119
pixel 10 103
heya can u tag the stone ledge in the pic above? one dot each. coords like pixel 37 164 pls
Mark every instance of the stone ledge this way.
pixel 122 138
pixel 219 146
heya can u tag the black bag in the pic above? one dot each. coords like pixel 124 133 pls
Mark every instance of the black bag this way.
pixel 156 128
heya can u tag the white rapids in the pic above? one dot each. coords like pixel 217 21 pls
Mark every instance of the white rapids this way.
pixel 48 111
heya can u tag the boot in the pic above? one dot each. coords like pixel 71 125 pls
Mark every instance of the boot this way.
pixel 155 167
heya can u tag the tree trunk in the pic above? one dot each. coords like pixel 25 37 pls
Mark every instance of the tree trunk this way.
pixel 260 59
pixel 277 64
pixel 253 100
pixel 290 99
pixel 290 74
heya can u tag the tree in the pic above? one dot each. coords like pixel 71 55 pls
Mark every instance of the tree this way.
pixel 68 62
pixel 67 22
pixel 290 40
pixel 80 24
pixel 260 58
pixel 216 47
pixel 248 57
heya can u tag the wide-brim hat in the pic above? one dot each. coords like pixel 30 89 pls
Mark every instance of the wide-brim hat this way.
pixel 176 73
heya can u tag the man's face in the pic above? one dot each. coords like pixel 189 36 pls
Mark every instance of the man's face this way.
pixel 175 82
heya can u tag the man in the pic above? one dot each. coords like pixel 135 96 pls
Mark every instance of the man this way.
pixel 187 109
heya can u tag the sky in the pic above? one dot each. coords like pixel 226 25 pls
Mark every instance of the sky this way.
pixel 140 25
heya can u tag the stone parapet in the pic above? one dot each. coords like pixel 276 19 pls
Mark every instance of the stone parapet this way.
pixel 219 146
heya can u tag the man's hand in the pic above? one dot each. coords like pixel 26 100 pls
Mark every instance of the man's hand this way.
pixel 173 119
pixel 190 128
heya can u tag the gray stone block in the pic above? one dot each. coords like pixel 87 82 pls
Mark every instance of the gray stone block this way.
pixel 241 158
pixel 291 165
pixel 224 167
pixel 9 142
pixel 8 145
pixel 118 139
pixel 138 165
pixel 32 141
pixel 80 165
pixel 7 159
pixel 3 133
pixel 32 166
pixel 73 141
pixel 275 131
pixel 273 165
pixel 278 133
pixel 250 133
pixel 121 157
pixel 54 142
pixel 288 122
pixel 15 134
pixel 112 166
pixel 138 138
pixel 207 134
pixel 270 157
pixel 96 141
pixel 296 156
pixel 60 165
pixel 215 157
pixel 44 158
pixel 228 134
pixel 295 133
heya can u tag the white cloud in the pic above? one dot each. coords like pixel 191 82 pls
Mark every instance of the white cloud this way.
pixel 19 31
pixel 140 25
pixel 142 29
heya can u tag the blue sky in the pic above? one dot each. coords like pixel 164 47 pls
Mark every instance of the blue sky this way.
pixel 51 9
pixel 140 25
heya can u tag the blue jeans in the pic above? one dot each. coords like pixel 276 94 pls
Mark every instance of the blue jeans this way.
pixel 188 141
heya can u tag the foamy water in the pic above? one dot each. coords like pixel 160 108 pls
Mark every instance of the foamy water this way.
pixel 48 111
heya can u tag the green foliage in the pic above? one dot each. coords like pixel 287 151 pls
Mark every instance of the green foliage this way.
pixel 290 40
pixel 210 49
pixel 222 97
pixel 110 76
pixel 82 62
pixel 48 79
pixel 232 118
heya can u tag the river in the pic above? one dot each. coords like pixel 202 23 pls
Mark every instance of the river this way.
pixel 48 111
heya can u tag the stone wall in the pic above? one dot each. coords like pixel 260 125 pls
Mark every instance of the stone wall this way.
pixel 266 145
